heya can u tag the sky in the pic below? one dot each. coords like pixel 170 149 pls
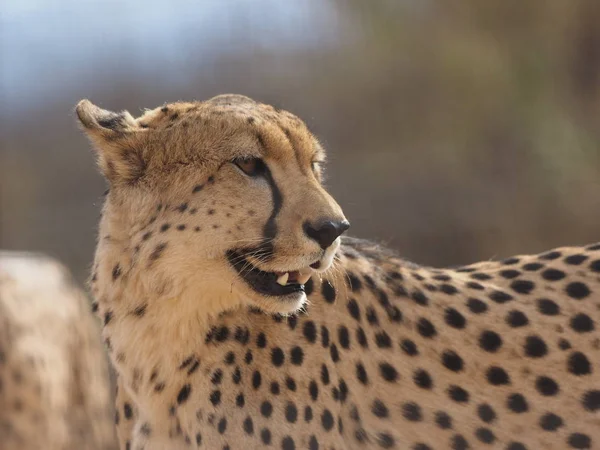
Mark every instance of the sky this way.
pixel 48 46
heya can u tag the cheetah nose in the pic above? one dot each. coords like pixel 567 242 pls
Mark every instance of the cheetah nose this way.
pixel 326 231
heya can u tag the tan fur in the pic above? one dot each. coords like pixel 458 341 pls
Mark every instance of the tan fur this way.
pixel 54 390
pixel 181 325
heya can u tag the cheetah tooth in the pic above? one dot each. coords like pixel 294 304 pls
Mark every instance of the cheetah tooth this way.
pixel 283 279
pixel 303 278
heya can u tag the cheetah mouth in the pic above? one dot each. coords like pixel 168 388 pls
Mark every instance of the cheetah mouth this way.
pixel 274 284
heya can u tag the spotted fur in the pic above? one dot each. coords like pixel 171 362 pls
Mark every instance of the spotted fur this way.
pixel 384 354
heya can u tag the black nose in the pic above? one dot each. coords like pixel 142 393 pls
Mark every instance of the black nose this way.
pixel 326 231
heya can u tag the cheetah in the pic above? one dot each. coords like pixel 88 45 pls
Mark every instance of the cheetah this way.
pixel 237 316
pixel 54 379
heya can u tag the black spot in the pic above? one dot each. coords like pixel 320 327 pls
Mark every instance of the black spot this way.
pixel 577 290
pixel 480 276
pixel 582 323
pixel 578 364
pixel 215 397
pixel 184 394
pixel 546 386
pixel 476 306
pixel 591 400
pixel 217 376
pixel 256 379
pixel 454 318
pixel 550 255
pixel 575 260
pixel 372 316
pixel 221 334
pixel 127 410
pixel 411 411
pixel 310 331
pixel 421 446
pixel 510 273
pixel 324 336
pixel 249 426
pixel 497 376
pixel 516 446
pixel 500 297
pixel 308 414
pixel 343 337
pixel 452 361
pixel 522 286
pixel 383 340
pixel 595 265
pixel 277 357
pixel 265 436
pixel 485 435
pixel 490 341
pixel 242 335
pixel 291 413
pixel 388 372
pixel 553 274
pixel 361 337
pixel 548 307
pixel 535 347
pixel 107 317
pixel 420 298
pixel 532 267
pixel 422 379
pixel 328 291
pixel 580 440
pixel 409 347
pixel 379 409
pixel 517 403
pixel 181 208
pixel 486 413
pixel 551 422
pixel 222 425
pixel 236 377
pixel 297 356
pixel 361 373
pixel 181 227
pixel 426 328
pixel 443 420
pixel 290 384
pixel 354 282
pixel 309 286
pixel 476 286
pixel 240 401
pixel 266 409
pixel 516 319
pixel 510 261
pixel 385 440
pixel 458 394
pixel 313 444
pixel 116 272
pixel 261 340
pixel 313 390
pixel 335 355
pixel 458 442
pixel 288 443
pixel 448 289
pixel 324 375
pixel 327 420
pixel 563 344
pixel 354 309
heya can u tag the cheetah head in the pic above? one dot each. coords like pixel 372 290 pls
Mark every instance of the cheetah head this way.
pixel 222 196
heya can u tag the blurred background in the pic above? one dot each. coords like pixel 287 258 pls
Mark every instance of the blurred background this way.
pixel 457 131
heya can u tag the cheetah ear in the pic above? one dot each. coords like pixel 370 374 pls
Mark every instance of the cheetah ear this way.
pixel 116 139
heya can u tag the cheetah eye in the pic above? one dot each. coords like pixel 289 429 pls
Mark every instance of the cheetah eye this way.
pixel 251 166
